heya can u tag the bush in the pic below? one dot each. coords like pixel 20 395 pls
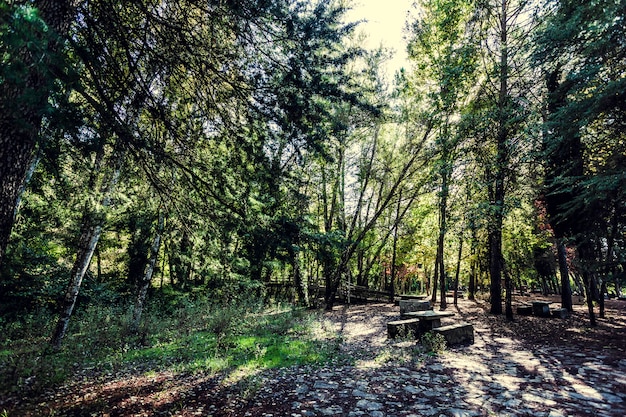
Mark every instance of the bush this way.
pixel 181 332
pixel 434 342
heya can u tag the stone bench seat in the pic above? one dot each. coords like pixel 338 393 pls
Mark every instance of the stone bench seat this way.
pixel 403 328
pixel 457 334
pixel 560 313
pixel 525 310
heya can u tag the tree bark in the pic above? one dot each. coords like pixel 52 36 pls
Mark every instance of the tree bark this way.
pixel 443 225
pixel 508 302
pixel 458 270
pixel 90 234
pixel 435 281
pixel 601 301
pixel 497 203
pixel 585 254
pixel 471 288
pixel 394 253
pixel 144 284
pixel 20 118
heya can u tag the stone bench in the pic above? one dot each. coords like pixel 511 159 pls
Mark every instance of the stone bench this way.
pixel 560 313
pixel 410 306
pixel 457 334
pixel 403 328
pixel 541 308
pixel 525 310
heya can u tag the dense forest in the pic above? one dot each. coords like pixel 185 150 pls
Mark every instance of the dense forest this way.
pixel 153 151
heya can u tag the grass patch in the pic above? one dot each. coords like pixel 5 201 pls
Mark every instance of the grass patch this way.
pixel 195 337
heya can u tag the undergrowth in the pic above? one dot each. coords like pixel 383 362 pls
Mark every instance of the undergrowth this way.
pixel 191 335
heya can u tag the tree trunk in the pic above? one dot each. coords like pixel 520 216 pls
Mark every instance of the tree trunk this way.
pixel 458 270
pixel 508 302
pixel 144 283
pixel 471 289
pixel 394 253
pixel 90 234
pixel 21 110
pixel 302 289
pixel 497 203
pixel 584 254
pixel 435 281
pixel 601 286
pixel 29 175
pixel 495 271
pixel 443 225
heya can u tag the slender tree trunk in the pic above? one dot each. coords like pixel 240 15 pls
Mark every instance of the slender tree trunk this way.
pixel 471 289
pixel 443 213
pixel 495 271
pixel 555 284
pixel 585 254
pixel 497 203
pixel 602 292
pixel 508 302
pixel 144 284
pixel 22 106
pixel 90 234
pixel 29 175
pixel 302 289
pixel 435 281
pixel 458 270
pixel 394 252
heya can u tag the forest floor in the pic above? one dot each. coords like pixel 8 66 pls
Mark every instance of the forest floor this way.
pixel 531 367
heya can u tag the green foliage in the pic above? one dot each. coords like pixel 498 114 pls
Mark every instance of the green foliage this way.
pixel 434 343
pixel 31 65
pixel 197 335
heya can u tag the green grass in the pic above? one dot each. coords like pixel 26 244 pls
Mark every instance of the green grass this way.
pixel 196 337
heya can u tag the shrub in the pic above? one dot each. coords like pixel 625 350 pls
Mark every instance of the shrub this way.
pixel 434 342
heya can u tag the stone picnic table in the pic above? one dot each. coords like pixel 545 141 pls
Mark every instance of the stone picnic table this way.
pixel 541 308
pixel 429 319
pixel 417 322
pixel 413 297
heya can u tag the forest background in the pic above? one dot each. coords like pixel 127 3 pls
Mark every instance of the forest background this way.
pixel 158 153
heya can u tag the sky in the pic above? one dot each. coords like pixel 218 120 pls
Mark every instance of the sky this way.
pixel 385 24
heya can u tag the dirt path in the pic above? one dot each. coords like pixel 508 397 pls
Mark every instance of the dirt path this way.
pixel 534 367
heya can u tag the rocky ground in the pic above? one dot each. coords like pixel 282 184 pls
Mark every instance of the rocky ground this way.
pixel 532 367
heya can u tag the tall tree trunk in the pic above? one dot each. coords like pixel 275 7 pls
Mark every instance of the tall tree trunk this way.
pixel 508 300
pixel 394 252
pixel 29 175
pixel 21 116
pixel 497 203
pixel 458 270
pixel 90 234
pixel 585 254
pixel 443 225
pixel 471 288
pixel 302 289
pixel 435 281
pixel 601 301
pixel 145 281
pixel 495 271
